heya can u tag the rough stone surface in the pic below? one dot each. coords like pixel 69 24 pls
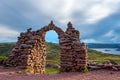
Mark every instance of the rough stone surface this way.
pixel 30 51
pixel 110 65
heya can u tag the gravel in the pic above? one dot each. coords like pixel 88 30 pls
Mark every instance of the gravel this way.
pixel 10 74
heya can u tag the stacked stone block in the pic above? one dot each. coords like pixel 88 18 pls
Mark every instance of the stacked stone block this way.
pixel 73 53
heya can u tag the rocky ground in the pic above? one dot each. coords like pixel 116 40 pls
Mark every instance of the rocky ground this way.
pixel 10 74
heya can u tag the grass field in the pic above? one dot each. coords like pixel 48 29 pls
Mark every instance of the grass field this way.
pixel 53 55
pixel 102 57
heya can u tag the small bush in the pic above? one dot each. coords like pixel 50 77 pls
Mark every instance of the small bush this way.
pixel 86 70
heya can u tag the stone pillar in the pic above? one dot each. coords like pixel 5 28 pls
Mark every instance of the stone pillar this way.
pixel 73 53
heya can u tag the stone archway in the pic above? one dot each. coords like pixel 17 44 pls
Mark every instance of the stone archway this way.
pixel 30 51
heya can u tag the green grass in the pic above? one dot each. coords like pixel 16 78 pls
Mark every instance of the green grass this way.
pixel 5 48
pixel 53 61
pixel 53 52
pixel 102 57
pixel 52 70
pixel 3 57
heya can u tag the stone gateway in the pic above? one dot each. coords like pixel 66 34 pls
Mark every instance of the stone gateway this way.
pixel 29 52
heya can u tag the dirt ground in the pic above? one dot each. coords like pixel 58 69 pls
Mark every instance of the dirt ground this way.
pixel 10 74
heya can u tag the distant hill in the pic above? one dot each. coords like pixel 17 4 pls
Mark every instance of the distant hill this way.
pixel 102 45
pixel 5 48
pixel 53 52
pixel 52 49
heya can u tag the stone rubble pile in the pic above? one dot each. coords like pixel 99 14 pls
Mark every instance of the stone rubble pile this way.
pixel 111 65
pixel 30 51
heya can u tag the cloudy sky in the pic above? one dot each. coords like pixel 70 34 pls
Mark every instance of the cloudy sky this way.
pixel 97 20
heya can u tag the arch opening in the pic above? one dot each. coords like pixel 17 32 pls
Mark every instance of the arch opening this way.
pixel 52 53
pixel 51 36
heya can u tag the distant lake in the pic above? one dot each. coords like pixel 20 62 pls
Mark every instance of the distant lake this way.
pixel 107 50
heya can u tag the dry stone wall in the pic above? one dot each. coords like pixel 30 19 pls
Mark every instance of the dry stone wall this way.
pixel 30 51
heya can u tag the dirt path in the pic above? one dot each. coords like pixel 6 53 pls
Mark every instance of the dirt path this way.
pixel 10 74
